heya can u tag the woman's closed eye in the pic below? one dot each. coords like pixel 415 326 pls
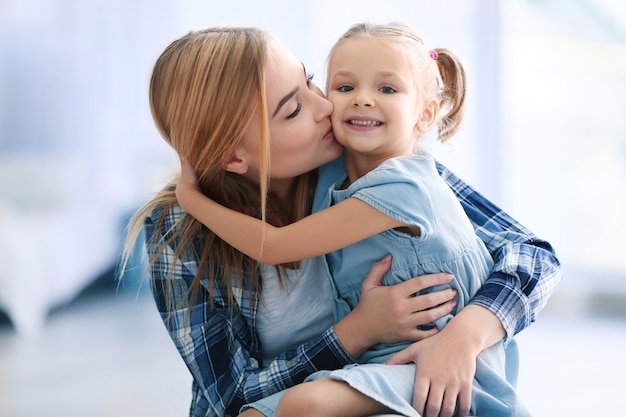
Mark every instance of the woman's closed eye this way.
pixel 296 111
pixel 309 84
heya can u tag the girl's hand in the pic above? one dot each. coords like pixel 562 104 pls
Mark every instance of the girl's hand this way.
pixel 187 184
pixel 388 314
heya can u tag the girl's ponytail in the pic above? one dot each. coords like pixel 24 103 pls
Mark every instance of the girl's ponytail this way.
pixel 452 104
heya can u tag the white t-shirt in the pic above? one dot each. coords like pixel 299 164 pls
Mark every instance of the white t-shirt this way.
pixel 291 315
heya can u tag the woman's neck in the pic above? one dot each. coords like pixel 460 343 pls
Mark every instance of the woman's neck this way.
pixel 283 189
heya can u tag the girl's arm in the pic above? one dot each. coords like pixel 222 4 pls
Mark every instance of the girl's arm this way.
pixel 325 231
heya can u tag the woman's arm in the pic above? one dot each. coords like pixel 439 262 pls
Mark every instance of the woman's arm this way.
pixel 325 231
pixel 526 269
pixel 215 343
pixel 219 348
pixel 525 273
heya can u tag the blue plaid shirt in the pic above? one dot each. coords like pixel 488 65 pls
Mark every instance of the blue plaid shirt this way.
pixel 220 346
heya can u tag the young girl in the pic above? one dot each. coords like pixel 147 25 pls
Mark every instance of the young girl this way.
pixel 387 89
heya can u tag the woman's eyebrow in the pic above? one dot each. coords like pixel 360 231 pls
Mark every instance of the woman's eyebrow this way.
pixel 285 99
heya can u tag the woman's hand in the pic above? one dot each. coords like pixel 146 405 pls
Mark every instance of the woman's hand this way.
pixel 446 362
pixel 388 314
pixel 187 184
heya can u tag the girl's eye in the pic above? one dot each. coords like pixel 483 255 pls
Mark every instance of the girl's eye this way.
pixel 387 90
pixel 295 112
pixel 309 79
pixel 344 88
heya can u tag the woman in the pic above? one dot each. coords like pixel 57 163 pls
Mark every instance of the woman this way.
pixel 230 101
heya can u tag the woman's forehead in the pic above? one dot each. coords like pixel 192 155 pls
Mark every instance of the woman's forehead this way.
pixel 281 57
pixel 283 72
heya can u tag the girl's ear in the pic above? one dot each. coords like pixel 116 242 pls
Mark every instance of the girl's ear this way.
pixel 428 116
pixel 236 163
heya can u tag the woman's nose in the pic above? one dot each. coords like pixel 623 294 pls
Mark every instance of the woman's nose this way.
pixel 325 108
pixel 323 105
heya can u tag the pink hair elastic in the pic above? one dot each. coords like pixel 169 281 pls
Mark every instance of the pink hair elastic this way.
pixel 433 54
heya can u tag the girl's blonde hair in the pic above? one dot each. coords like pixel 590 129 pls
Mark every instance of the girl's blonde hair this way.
pixel 439 72
pixel 204 91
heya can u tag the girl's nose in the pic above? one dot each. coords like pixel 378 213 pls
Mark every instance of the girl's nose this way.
pixel 362 100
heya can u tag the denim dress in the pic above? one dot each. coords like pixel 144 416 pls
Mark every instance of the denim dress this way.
pixel 410 190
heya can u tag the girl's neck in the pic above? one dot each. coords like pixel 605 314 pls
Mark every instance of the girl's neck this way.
pixel 357 165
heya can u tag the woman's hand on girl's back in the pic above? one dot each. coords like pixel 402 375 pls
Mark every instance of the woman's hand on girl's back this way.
pixel 389 314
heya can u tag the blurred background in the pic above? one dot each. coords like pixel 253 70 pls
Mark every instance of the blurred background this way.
pixel 545 138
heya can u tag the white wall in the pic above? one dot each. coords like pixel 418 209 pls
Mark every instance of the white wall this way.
pixel 544 136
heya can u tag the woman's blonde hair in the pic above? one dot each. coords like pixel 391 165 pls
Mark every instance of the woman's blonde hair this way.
pixel 439 72
pixel 204 91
